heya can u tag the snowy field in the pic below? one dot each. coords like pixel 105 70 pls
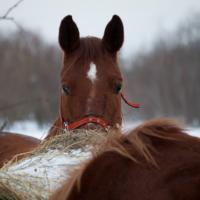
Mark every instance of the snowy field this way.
pixel 29 128
pixel 32 129
pixel 194 131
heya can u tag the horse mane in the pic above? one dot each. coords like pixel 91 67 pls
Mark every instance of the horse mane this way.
pixel 142 140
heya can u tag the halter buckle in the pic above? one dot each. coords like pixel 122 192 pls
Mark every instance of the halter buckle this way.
pixel 107 129
pixel 66 126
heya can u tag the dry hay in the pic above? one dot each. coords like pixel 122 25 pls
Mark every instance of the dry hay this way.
pixel 26 186
pixel 15 187
pixel 72 140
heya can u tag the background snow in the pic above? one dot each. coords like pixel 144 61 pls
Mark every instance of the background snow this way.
pixel 31 128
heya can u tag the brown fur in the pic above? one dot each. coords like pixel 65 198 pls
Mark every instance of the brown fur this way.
pixel 156 160
pixel 13 143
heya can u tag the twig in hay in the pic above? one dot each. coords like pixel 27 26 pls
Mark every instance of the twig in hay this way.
pixel 31 163
pixel 61 129
pixel 42 136
pixel 9 163
pixel 47 181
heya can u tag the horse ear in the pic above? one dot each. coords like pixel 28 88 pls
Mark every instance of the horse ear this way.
pixel 68 34
pixel 114 34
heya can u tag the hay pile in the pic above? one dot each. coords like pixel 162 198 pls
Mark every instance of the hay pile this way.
pixel 72 140
pixel 42 170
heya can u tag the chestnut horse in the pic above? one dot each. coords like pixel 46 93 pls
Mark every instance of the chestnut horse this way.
pixel 91 83
pixel 156 160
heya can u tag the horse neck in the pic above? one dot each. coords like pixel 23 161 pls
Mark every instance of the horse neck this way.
pixel 55 128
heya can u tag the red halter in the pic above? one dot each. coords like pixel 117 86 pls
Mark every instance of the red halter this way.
pixel 92 119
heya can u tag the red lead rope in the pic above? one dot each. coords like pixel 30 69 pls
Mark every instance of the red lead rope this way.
pixel 92 119
pixel 129 103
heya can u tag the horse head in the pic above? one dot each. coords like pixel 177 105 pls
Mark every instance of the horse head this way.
pixel 91 80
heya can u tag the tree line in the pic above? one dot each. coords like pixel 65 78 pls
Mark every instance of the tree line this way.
pixel 29 77
pixel 164 80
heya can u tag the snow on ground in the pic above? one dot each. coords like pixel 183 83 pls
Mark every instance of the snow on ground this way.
pixel 30 128
pixel 194 131
pixel 52 167
pixel 54 161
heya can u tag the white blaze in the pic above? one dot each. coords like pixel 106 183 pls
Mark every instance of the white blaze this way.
pixel 92 72
pixel 92 75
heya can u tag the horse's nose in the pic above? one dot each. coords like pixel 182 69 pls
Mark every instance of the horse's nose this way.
pixel 93 126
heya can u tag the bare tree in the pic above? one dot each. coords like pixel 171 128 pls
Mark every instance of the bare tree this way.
pixel 5 17
pixel 165 81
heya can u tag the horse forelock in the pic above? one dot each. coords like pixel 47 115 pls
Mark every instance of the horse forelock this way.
pixel 90 49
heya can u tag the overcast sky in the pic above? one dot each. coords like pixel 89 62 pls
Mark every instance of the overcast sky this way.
pixel 144 20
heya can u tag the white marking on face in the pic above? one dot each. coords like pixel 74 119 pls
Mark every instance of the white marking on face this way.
pixel 92 73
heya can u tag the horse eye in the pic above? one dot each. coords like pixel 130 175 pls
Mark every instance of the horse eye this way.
pixel 118 88
pixel 65 90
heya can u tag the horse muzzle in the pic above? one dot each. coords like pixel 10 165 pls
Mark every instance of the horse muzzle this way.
pixel 92 122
